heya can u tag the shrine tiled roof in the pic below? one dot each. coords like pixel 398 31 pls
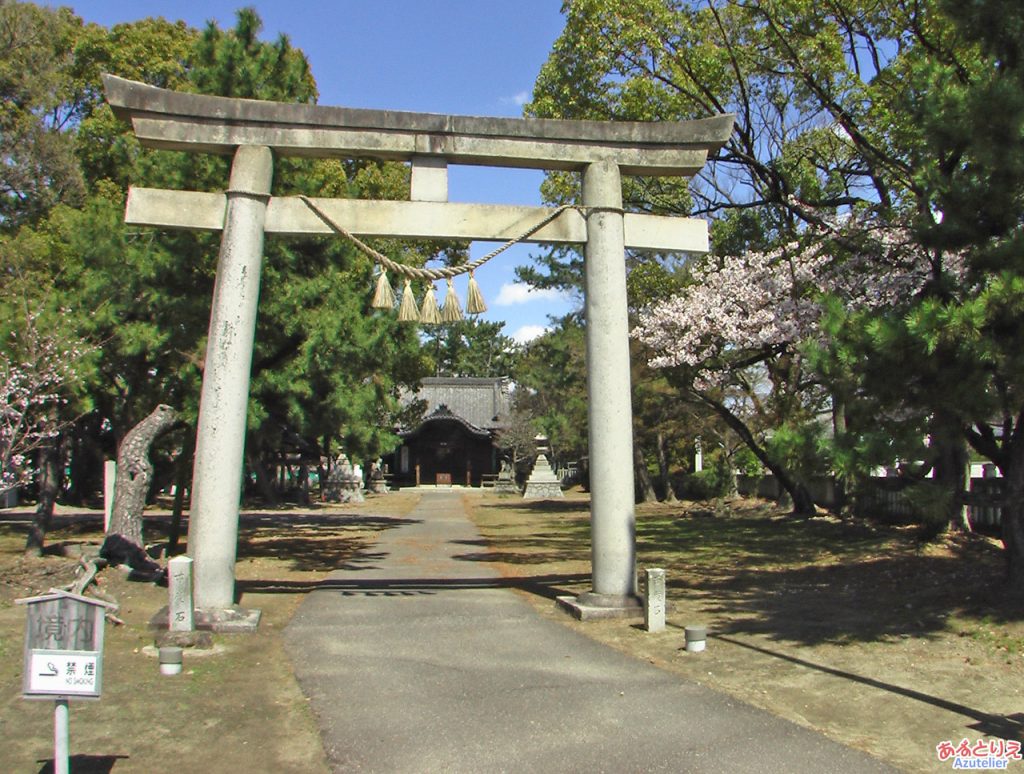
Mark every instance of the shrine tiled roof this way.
pixel 484 403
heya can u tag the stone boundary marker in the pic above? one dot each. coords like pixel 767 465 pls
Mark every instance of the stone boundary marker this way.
pixel 654 601
pixel 181 614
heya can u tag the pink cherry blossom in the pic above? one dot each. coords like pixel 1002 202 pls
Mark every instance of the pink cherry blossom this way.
pixel 767 303
pixel 34 370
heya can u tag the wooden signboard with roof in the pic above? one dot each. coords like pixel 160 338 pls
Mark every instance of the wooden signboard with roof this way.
pixel 63 646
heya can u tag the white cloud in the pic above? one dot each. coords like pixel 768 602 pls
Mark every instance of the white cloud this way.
pixel 528 333
pixel 519 99
pixel 513 293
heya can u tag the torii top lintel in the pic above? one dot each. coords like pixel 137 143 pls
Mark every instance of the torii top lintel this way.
pixel 198 122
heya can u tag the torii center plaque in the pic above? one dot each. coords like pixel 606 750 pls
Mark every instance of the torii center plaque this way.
pixel 254 132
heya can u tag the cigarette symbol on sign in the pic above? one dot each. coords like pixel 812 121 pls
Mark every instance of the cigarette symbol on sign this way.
pixel 53 670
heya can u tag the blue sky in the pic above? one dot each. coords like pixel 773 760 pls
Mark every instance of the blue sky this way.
pixel 471 57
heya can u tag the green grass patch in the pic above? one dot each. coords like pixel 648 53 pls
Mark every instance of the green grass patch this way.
pixel 998 635
pixel 751 567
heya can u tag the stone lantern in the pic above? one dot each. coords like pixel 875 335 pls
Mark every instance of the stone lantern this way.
pixel 542 484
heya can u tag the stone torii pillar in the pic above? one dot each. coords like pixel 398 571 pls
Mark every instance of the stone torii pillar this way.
pixel 609 408
pixel 220 437
pixel 255 132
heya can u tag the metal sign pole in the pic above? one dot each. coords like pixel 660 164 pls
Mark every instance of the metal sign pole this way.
pixel 61 744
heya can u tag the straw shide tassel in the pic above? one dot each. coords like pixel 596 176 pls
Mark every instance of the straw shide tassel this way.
pixel 429 313
pixel 451 311
pixel 407 312
pixel 383 296
pixel 474 298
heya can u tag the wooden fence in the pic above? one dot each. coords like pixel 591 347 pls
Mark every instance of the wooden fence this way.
pixel 889 497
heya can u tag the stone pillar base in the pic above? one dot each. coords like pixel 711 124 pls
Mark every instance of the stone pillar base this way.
pixel 543 490
pixel 231 620
pixel 593 607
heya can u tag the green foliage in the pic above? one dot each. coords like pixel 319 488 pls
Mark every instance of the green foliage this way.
pixel 39 99
pixel 236 63
pixel 715 480
pixel 327 369
pixel 550 379
pixel 803 448
pixel 153 51
pixel 705 484
pixel 470 347
pixel 652 280
pixel 909 117
pixel 326 366
pixel 745 463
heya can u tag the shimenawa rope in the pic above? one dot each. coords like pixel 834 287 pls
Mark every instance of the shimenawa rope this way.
pixel 384 295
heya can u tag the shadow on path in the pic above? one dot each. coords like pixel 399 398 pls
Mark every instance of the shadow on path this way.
pixel 547 586
pixel 315 542
pixel 86 764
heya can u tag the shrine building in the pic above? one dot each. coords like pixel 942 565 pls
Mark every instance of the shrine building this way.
pixel 456 440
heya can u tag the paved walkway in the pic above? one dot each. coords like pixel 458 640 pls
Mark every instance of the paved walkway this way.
pixel 421 662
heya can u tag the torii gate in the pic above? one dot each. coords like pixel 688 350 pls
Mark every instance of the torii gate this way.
pixel 255 131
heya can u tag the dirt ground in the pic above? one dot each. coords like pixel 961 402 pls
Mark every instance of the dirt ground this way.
pixel 235 708
pixel 857 630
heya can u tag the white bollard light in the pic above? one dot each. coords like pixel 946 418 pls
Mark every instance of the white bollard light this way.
pixel 170 660
pixel 696 638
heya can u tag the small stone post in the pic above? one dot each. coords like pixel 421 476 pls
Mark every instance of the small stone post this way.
pixel 109 479
pixel 180 612
pixel 217 472
pixel 609 410
pixel 654 603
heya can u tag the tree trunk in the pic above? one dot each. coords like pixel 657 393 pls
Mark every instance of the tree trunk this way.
pixel 733 484
pixel 49 478
pixel 303 493
pixel 1012 515
pixel 644 488
pixel 803 502
pixel 664 473
pixel 134 474
pixel 263 481
pixel 1008 454
pixel 86 461
pixel 839 428
pixel 950 473
pixel 182 481
pixel 321 470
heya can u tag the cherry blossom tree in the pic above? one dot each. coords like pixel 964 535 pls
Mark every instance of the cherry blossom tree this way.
pixel 902 110
pixel 738 336
pixel 30 394
pixel 36 369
